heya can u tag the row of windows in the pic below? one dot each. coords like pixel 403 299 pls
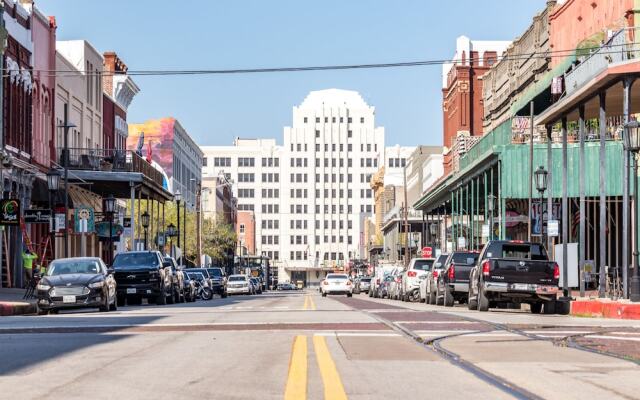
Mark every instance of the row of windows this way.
pixel 270 224
pixel 369 162
pixel 246 162
pixel 334 120
pixel 334 163
pixel 219 161
pixel 299 178
pixel 298 239
pixel 270 162
pixel 270 239
pixel 298 162
pixel 246 177
pixel 271 177
pixel 270 193
pixel 273 255
pixel 271 209
pixel 334 178
pixel 397 162
pixel 334 192
pixel 298 255
pixel 298 209
pixel 349 135
pixel 334 224
pixel 245 207
pixel 298 147
pixel 298 224
pixel 298 193
pixel 366 193
pixel 365 178
pixel 246 193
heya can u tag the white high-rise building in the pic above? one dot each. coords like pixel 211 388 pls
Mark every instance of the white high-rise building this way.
pixel 312 216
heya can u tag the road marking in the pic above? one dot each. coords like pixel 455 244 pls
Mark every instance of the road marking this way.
pixel 306 302
pixel 356 334
pixel 434 322
pixel 630 339
pixel 313 303
pixel 296 388
pixel 333 389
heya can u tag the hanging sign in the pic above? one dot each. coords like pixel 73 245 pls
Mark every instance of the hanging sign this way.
pixel 59 222
pixel 9 212
pixel 485 230
pixel 462 242
pixel 553 227
pixel 84 219
pixel 37 216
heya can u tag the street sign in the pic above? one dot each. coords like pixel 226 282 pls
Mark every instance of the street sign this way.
pixel 485 230
pixel 37 216
pixel 84 219
pixel 9 212
pixel 427 252
pixel 553 228
pixel 462 242
pixel 102 230
pixel 59 222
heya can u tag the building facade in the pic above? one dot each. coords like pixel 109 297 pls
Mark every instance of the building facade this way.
pixel 246 231
pixel 118 91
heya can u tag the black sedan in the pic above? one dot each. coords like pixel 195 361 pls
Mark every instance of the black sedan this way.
pixel 82 282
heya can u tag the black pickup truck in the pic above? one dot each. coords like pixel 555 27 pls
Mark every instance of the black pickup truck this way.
pixel 141 274
pixel 512 273
pixel 453 282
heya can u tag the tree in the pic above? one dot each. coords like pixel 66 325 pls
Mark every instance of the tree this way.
pixel 218 240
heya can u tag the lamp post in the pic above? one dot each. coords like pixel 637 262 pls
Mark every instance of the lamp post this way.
pixel 433 231
pixel 632 144
pixel 65 164
pixel 171 232
pixel 541 186
pixel 53 183
pixel 109 208
pixel 178 197
pixel 144 220
pixel 491 199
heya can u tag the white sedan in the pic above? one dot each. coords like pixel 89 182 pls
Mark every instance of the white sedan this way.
pixel 238 284
pixel 336 284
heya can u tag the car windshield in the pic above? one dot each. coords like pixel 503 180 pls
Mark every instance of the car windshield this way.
pixel 215 272
pixel 336 276
pixel 465 258
pixel 202 271
pixel 424 265
pixel 441 260
pixel 196 276
pixel 135 260
pixel 73 267
pixel 365 280
pixel 237 278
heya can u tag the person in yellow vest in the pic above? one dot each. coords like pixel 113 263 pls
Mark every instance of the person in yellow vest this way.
pixel 27 264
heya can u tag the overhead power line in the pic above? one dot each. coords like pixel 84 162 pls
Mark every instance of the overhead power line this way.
pixel 162 72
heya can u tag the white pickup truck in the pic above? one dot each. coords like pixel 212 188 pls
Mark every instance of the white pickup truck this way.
pixel 417 270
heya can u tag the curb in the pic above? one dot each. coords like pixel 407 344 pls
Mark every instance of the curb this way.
pixel 605 309
pixel 16 308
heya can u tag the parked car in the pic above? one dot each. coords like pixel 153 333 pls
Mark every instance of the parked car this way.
pixel 514 272
pixel 382 290
pixel 82 282
pixel 257 286
pixel 381 272
pixel 218 281
pixel 337 284
pixel 190 288
pixel 177 277
pixel 141 274
pixel 286 286
pixel 239 284
pixel 394 290
pixel 411 278
pixel 362 284
pixel 453 282
pixel 428 284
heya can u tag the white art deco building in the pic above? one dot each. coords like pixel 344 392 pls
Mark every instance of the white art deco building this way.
pixel 323 194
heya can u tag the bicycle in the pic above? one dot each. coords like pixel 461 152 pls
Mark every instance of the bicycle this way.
pixel 30 290
pixel 613 284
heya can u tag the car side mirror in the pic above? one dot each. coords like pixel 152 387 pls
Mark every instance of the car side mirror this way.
pixel 110 271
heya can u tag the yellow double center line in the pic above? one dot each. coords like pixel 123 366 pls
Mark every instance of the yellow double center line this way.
pixel 296 388
pixel 309 304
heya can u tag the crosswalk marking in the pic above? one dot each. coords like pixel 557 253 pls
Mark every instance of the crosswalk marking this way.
pixel 296 388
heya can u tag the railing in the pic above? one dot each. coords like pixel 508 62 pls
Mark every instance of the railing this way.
pixel 89 159
pixel 615 50
pixel 397 213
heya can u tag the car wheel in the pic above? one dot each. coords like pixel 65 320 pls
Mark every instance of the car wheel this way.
pixel 121 300
pixel 105 307
pixel 472 304
pixel 162 297
pixel 483 301
pixel 550 307
pixel 224 295
pixel 349 294
pixel 439 301
pixel 114 306
pixel 42 312
pixel 448 297
pixel 536 308
pixel 324 294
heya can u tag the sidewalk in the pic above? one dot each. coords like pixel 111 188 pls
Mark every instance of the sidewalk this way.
pixel 605 308
pixel 12 303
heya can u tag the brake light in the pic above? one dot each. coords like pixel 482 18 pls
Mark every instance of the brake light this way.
pixel 452 272
pixel 516 241
pixel 556 271
pixel 435 274
pixel 412 274
pixel 348 283
pixel 325 282
pixel 485 267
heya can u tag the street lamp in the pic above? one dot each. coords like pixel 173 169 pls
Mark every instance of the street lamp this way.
pixel 53 183
pixel 491 199
pixel 171 233
pixel 433 231
pixel 178 197
pixel 109 208
pixel 631 139
pixel 144 220
pixel 541 186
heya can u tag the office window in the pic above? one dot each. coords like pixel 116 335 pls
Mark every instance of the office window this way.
pixel 276 254
pixel 362 120
pixel 349 147
pixel 204 161
pixel 241 228
pixel 349 208
pixel 326 120
pixel 317 224
pixel 317 178
pixel 317 193
pixel 362 162
pixel 299 147
pixel 317 239
pixel 264 224
pixel 349 133
pixel 368 162
pixel 349 120
pixel 305 120
pixel 349 193
pixel 317 208
pixel 246 162
pixel 341 119
pixel 317 120
pixel 333 119
pixel 276 240
pixel 375 162
pixel 368 146
pixel 326 147
pixel 404 162
pixel 317 147
pixel 341 163
pixel 349 163
pixel 326 162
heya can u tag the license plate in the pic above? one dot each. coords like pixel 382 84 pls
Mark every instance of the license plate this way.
pixel 520 287
pixel 131 291
pixel 68 299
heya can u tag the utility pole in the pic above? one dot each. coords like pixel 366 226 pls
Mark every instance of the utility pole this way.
pixel 65 161
pixel 406 220
pixel 199 223
pixel 530 169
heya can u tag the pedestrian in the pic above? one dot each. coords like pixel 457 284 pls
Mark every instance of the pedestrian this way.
pixel 27 264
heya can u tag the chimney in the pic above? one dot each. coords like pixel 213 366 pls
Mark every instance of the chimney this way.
pixel 109 70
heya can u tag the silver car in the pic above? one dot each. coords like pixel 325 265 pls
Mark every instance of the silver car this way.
pixel 428 284
pixel 239 284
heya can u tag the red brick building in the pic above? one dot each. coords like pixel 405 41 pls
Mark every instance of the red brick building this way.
pixel 462 93
pixel 118 92
pixel 246 231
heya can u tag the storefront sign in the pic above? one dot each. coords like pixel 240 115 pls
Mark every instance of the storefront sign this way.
pixel 37 216
pixel 485 230
pixel 553 227
pixel 9 212
pixel 84 219
pixel 59 222
pixel 462 242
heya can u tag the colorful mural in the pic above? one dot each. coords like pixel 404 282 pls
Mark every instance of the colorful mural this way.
pixel 156 137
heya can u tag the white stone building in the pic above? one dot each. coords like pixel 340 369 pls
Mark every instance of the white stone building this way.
pixel 311 195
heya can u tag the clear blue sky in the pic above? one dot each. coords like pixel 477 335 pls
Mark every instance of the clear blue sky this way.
pixel 191 34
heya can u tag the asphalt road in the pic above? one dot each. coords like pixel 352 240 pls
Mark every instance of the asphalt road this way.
pixel 296 345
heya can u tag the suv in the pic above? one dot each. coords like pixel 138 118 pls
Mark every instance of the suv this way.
pixel 428 284
pixel 177 276
pixel 417 271
pixel 141 274
pixel 218 281
pixel 453 282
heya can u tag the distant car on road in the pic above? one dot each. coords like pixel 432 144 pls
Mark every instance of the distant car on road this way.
pixel 142 274
pixel 337 284
pixel 362 285
pixel 257 286
pixel 218 281
pixel 394 290
pixel 428 284
pixel 239 284
pixel 83 282
pixel 177 276
pixel 416 271
pixel 453 282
